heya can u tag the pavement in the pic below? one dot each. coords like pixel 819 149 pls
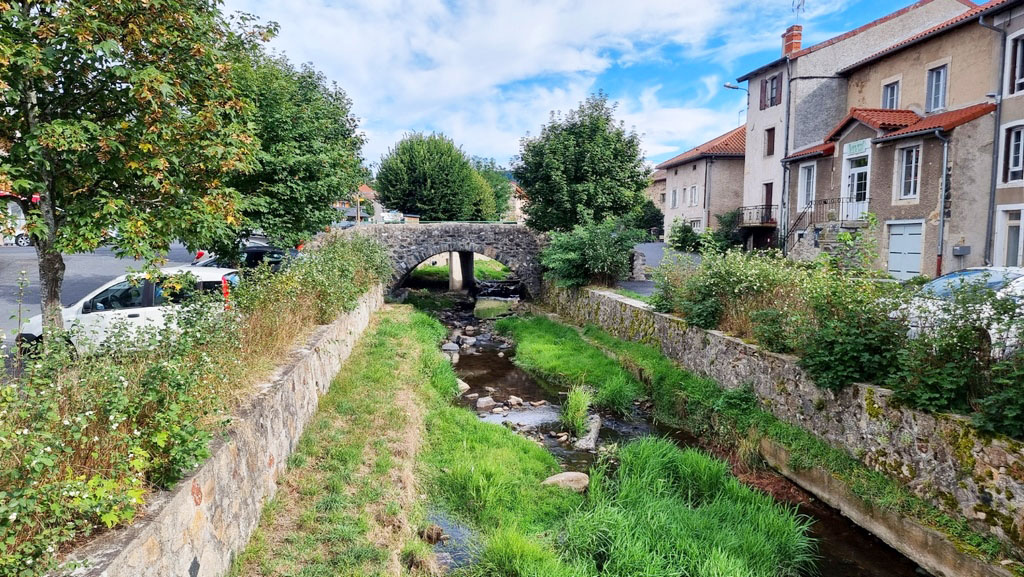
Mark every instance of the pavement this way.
pixel 655 253
pixel 84 273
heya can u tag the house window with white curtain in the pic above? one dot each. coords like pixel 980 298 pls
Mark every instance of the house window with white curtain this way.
pixel 693 196
pixel 910 171
pixel 937 80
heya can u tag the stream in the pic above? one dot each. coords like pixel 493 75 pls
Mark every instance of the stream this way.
pixel 844 548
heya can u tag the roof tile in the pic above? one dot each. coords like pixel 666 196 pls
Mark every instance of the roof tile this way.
pixel 824 149
pixel 944 121
pixel 877 118
pixel 732 143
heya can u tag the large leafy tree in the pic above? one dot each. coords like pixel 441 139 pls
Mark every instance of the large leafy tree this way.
pixel 429 176
pixel 497 177
pixel 583 167
pixel 120 115
pixel 310 149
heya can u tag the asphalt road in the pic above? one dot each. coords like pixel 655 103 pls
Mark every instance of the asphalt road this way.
pixel 84 273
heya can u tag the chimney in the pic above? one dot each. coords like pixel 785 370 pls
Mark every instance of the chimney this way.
pixel 791 39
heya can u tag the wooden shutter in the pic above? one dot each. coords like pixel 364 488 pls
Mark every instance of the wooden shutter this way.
pixel 764 93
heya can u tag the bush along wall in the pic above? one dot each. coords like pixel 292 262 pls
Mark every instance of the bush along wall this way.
pixel 84 440
pixel 956 475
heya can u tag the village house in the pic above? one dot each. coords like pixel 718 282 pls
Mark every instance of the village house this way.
pixel 705 181
pixel 657 189
pixel 794 101
pixel 921 122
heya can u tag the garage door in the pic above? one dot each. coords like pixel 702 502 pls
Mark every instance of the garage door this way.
pixel 905 250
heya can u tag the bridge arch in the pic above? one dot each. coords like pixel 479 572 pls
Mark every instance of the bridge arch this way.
pixel 408 245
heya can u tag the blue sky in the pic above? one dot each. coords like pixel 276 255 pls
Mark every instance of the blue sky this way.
pixel 487 72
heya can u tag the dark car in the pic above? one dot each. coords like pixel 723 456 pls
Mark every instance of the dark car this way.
pixel 251 256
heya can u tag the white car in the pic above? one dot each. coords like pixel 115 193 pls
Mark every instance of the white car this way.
pixel 133 303
pixel 931 309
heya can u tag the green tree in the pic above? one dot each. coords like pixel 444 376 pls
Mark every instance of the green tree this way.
pixel 683 238
pixel 582 168
pixel 310 149
pixel 497 177
pixel 120 115
pixel 429 176
pixel 596 252
pixel 648 218
pixel 483 198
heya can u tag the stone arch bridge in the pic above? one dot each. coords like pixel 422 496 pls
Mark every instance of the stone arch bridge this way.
pixel 513 245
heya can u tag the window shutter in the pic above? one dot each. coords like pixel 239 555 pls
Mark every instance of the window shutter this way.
pixel 764 93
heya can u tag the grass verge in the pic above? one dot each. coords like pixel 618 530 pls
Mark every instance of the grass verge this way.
pixel 348 505
pixel 482 270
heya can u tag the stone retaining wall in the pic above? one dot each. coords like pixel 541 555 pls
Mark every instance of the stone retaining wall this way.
pixel 197 528
pixel 940 457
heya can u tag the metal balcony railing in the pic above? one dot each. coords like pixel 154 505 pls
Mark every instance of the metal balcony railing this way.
pixel 759 215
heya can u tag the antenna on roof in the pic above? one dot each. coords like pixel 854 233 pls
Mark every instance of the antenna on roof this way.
pixel 798 6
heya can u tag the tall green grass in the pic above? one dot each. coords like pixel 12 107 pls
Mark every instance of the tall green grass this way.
pixel 575 410
pixel 559 354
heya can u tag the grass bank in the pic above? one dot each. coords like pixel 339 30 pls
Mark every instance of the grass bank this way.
pixel 708 411
pixel 482 270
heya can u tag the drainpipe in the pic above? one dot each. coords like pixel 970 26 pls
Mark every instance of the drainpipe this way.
pixel 784 193
pixel 942 199
pixel 990 222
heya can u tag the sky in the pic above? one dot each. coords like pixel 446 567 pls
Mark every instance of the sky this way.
pixel 488 72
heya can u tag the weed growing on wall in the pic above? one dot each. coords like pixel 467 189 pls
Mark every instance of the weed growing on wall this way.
pixel 83 438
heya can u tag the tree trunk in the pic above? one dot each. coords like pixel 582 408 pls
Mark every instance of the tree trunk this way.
pixel 51 280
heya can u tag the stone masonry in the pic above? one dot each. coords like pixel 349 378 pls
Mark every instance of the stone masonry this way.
pixel 196 529
pixel 940 457
pixel 513 245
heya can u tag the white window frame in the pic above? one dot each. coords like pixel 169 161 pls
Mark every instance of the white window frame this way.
pixel 844 190
pixel 675 198
pixel 901 181
pixel 1010 66
pixel 931 104
pixel 896 100
pixel 802 201
pixel 1004 141
pixel 1015 138
pixel 693 195
pixel 696 224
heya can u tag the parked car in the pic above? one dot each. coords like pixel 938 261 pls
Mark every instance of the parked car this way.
pixel 135 303
pixel 931 309
pixel 252 255
pixel 15 233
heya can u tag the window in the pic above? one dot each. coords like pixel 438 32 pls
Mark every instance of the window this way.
pixel 1012 238
pixel 910 169
pixel 693 196
pixel 675 198
pixel 771 91
pixel 1016 75
pixel 695 225
pixel 891 95
pixel 769 142
pixel 123 295
pixel 662 198
pixel 806 185
pixel 1013 155
pixel 936 89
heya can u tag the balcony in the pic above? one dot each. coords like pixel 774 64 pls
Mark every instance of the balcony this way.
pixel 759 215
pixel 846 211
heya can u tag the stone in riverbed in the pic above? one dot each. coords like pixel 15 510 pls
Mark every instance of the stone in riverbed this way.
pixel 569 480
pixel 538 403
pixel 498 410
pixel 514 401
pixel 485 404
pixel 463 386
pixel 450 347
pixel 467 341
pixel 472 396
pixel 490 389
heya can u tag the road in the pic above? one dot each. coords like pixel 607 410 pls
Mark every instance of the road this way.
pixel 85 272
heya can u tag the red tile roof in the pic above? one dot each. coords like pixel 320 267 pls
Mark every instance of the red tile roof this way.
pixel 732 143
pixel 366 192
pixel 659 175
pixel 945 121
pixel 825 149
pixel 850 34
pixel 954 22
pixel 877 118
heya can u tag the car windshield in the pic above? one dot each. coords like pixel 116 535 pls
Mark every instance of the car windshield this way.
pixel 944 286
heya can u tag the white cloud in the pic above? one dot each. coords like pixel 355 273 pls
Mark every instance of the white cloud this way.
pixel 486 72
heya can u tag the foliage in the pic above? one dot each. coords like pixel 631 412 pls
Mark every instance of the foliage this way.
pixel 120 116
pixel 309 150
pixel 482 270
pixel 648 218
pixel 582 168
pixel 590 253
pixel 497 177
pixel 429 176
pixel 773 330
pixel 82 440
pixel 728 233
pixel 576 409
pixel 556 352
pixel 484 204
pixel 683 238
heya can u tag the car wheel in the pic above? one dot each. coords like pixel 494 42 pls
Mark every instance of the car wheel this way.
pixel 23 240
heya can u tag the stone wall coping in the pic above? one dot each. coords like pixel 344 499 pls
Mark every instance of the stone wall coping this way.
pixel 196 528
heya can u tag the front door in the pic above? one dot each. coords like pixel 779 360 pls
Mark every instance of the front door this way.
pixel 855 205
pixel 1014 248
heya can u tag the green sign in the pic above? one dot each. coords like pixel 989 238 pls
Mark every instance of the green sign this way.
pixel 856 148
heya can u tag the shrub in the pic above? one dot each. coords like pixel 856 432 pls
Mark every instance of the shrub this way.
pixel 83 440
pixel 576 409
pixel 773 330
pixel 683 238
pixel 590 253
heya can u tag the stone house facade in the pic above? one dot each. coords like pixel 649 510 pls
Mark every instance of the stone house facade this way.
pixel 794 101
pixel 921 123
pixel 705 181
pixel 656 191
